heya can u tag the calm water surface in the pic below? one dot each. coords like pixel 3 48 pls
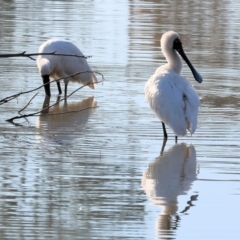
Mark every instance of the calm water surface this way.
pixel 98 173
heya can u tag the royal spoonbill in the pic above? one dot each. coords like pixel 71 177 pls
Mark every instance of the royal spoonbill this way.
pixel 56 67
pixel 172 97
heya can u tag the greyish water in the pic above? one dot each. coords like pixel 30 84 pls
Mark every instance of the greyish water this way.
pixel 98 174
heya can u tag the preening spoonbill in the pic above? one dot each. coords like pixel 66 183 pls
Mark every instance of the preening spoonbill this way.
pixel 172 97
pixel 56 67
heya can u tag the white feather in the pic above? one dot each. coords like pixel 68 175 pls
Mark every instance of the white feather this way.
pixel 172 97
pixel 63 66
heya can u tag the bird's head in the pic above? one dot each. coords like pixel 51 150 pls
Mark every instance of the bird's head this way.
pixel 170 42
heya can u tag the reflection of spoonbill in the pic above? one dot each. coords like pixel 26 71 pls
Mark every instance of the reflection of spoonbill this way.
pixel 64 121
pixel 172 97
pixel 63 66
pixel 169 176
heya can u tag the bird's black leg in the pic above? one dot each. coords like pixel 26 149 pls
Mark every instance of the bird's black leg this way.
pixel 176 139
pixel 66 89
pixel 163 146
pixel 58 99
pixel 164 130
pixel 46 83
pixel 59 88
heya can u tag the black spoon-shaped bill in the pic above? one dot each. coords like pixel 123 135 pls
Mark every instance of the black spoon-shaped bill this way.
pixel 177 45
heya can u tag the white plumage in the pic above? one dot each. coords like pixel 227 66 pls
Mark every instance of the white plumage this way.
pixel 56 67
pixel 172 97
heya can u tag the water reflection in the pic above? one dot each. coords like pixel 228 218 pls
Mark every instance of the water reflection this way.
pixel 169 176
pixel 43 183
pixel 59 123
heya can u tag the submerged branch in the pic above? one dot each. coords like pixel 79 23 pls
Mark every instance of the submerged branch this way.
pixel 28 103
pixel 53 114
pixel 38 113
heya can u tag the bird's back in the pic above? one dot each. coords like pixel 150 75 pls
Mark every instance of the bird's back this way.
pixel 173 99
pixel 63 66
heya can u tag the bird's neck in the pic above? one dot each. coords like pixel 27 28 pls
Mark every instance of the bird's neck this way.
pixel 44 66
pixel 174 61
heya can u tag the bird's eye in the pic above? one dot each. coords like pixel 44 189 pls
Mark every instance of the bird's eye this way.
pixel 176 43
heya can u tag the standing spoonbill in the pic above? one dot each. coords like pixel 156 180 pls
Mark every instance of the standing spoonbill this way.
pixel 56 67
pixel 172 97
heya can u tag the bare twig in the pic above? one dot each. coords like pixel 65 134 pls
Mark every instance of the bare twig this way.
pixel 27 103
pixel 38 114
pixel 24 54
pixel 44 109
pixel 7 99
pixel 52 114
pixel 32 58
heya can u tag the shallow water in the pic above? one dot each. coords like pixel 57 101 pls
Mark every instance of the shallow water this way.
pixel 98 173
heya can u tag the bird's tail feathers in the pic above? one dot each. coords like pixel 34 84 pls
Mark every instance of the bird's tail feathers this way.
pixel 191 121
pixel 92 81
pixel 87 78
